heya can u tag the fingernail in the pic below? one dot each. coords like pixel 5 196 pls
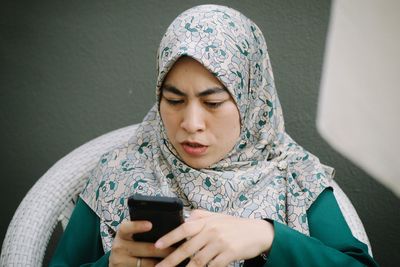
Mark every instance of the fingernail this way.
pixel 147 225
pixel 158 244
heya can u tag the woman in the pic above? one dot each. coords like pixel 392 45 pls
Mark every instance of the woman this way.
pixel 216 140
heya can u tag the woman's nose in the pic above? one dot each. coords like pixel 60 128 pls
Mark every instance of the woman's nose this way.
pixel 193 119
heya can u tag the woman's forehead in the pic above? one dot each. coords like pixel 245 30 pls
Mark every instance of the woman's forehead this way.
pixel 188 73
pixel 186 65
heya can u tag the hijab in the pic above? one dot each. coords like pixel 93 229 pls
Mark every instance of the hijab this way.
pixel 265 175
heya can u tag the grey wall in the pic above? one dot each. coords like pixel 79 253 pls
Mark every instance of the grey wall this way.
pixel 73 70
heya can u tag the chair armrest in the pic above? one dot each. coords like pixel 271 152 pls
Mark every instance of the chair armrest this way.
pixel 36 217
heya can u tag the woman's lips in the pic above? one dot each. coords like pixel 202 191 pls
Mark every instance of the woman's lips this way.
pixel 194 149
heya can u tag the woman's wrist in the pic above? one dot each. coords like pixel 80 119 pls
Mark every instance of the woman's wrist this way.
pixel 267 236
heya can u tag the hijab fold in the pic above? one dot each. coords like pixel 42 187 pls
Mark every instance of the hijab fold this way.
pixel 266 175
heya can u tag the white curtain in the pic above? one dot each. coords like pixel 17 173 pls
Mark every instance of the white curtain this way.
pixel 359 102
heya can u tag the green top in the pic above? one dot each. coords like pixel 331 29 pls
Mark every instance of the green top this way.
pixel 330 242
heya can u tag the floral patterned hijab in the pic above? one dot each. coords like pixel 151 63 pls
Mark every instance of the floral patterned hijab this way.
pixel 266 175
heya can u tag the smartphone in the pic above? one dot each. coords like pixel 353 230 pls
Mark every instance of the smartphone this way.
pixel 165 214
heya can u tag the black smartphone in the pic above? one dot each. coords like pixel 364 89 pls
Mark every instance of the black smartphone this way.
pixel 165 214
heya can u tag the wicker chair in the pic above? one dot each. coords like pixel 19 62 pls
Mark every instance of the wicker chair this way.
pixel 51 200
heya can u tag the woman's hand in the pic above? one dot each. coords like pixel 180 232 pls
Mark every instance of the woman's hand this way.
pixel 126 252
pixel 216 239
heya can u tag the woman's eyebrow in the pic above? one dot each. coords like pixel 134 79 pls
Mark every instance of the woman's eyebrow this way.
pixel 210 91
pixel 207 92
pixel 173 89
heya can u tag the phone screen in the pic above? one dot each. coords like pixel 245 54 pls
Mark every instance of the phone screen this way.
pixel 165 213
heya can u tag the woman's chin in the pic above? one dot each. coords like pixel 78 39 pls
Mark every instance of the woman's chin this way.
pixel 197 163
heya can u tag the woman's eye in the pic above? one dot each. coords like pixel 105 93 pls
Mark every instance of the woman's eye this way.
pixel 174 102
pixel 213 104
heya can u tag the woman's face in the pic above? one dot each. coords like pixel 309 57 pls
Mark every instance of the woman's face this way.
pixel 200 117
